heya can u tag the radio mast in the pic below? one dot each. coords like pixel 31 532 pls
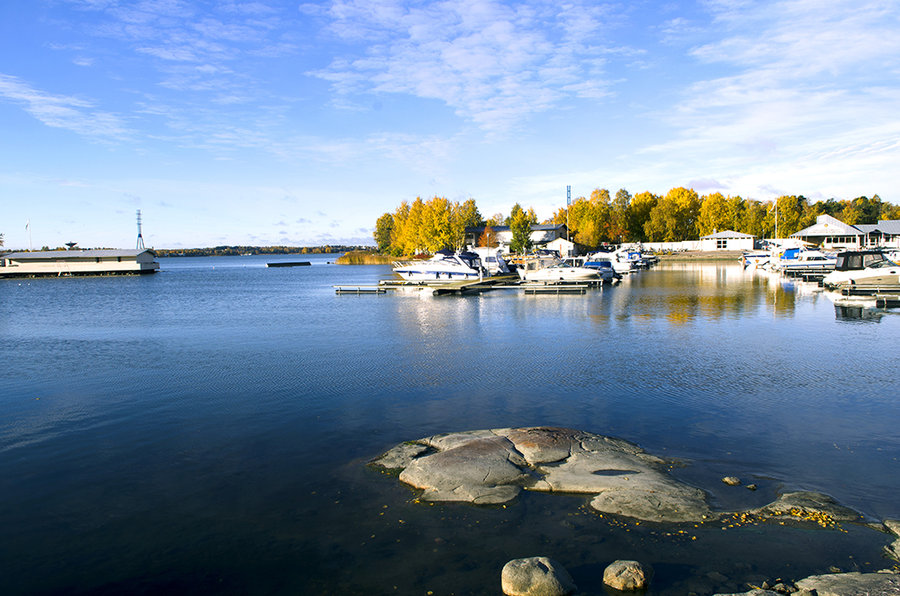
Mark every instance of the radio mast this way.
pixel 140 239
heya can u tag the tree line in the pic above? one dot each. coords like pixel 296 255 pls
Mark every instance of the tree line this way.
pixel 681 214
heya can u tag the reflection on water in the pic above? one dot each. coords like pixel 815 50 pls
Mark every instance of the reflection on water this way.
pixel 206 429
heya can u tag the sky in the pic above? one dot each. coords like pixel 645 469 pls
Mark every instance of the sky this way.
pixel 270 122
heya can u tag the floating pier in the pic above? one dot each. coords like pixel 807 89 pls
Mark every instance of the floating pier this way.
pixel 359 290
pixel 289 264
pixel 473 286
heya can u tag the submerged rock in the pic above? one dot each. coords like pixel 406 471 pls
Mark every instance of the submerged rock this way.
pixel 536 576
pixel 493 466
pixel 808 505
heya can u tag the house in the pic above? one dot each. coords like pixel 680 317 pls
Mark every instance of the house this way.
pixel 829 232
pixel 541 235
pixel 61 263
pixel 727 240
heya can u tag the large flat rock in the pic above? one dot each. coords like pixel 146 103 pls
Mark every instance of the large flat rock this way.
pixel 493 466
pixel 853 584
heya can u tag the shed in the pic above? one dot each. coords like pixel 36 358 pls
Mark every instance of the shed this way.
pixel 727 240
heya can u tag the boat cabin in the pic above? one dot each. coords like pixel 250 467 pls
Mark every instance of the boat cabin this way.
pixel 857 260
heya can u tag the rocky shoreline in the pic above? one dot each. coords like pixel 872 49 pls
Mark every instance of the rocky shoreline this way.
pixel 489 467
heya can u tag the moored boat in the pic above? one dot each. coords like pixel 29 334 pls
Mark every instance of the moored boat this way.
pixel 856 268
pixel 445 266
pixel 542 270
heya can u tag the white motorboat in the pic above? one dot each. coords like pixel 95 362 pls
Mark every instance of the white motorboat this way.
pixel 536 270
pixel 803 259
pixel 604 265
pixel 860 268
pixel 619 260
pixel 445 266
pixel 492 260
pixel 755 259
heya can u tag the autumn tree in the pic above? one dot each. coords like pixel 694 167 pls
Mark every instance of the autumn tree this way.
pixel 488 237
pixel 384 226
pixel 642 205
pixel 788 214
pixel 674 218
pixel 520 223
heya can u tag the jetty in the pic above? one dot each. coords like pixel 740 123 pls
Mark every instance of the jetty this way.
pixel 288 264
pixel 473 286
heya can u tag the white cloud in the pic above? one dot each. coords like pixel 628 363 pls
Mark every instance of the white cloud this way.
pixel 60 111
pixel 492 63
pixel 804 104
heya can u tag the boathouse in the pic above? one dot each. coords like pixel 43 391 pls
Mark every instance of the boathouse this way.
pixel 727 240
pixel 78 262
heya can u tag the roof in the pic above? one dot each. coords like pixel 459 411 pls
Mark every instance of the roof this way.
pixel 77 254
pixel 727 234
pixel 828 226
pixel 534 228
pixel 885 226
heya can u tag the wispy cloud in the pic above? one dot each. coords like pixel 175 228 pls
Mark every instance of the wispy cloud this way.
pixel 60 111
pixel 492 63
pixel 805 93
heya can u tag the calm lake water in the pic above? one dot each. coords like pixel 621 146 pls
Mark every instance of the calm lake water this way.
pixel 206 429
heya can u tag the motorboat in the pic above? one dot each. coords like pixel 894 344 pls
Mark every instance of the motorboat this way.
pixel 854 268
pixel 445 266
pixel 620 262
pixel 540 270
pixel 755 259
pixel 492 260
pixel 604 265
pixel 803 259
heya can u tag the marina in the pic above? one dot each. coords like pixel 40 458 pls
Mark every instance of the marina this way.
pixel 234 455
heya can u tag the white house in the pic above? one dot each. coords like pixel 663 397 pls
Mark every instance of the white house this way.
pixel 829 232
pixel 727 240
pixel 541 235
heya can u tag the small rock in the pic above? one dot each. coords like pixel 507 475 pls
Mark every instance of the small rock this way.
pixel 536 576
pixel 894 549
pixel 625 576
pixel 751 487
pixel 893 526
pixel 732 480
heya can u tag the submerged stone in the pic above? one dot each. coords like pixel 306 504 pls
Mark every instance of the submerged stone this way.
pixel 808 505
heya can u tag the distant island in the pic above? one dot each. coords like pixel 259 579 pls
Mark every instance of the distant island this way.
pixel 219 251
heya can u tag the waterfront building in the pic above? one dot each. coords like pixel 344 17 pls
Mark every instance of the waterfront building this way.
pixel 727 240
pixel 830 232
pixel 78 262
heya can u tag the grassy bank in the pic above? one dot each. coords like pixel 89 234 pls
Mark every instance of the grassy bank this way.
pixel 364 257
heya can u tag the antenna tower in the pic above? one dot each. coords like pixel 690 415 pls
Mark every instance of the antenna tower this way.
pixel 140 239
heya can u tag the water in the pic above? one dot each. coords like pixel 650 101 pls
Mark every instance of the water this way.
pixel 206 429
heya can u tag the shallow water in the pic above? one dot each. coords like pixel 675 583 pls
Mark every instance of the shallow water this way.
pixel 207 428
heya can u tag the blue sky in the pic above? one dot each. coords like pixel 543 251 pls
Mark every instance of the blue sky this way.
pixel 272 122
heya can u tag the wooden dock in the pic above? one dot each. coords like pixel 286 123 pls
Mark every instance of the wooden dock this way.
pixel 471 286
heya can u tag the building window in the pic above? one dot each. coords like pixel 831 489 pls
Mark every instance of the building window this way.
pixel 721 243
